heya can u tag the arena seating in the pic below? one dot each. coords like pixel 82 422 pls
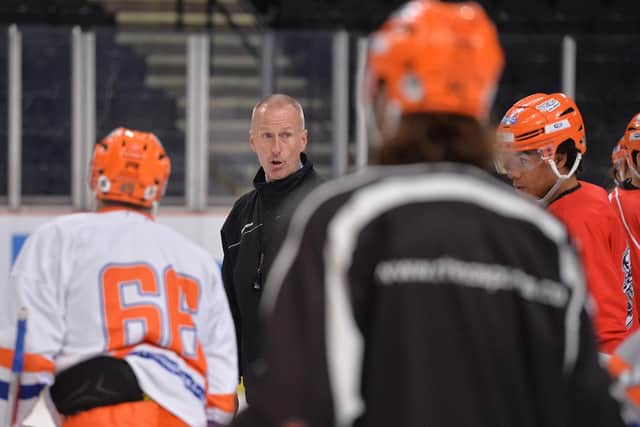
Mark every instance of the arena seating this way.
pixel 608 90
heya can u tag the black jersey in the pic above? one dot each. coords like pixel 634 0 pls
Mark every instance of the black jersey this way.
pixel 426 295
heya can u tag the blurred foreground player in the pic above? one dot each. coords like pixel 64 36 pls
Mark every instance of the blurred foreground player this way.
pixel 428 294
pixel 542 141
pixel 127 318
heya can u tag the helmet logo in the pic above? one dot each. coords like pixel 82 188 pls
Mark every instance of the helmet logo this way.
pixel 557 126
pixel 104 185
pixel 412 88
pixel 379 45
pixel 410 11
pixel 548 106
pixel 150 192
pixel 509 120
pixel 505 137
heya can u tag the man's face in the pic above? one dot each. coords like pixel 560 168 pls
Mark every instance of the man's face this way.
pixel 529 173
pixel 620 170
pixel 277 137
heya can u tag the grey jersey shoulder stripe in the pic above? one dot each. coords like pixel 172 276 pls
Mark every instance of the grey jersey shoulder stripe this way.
pixel 344 343
pixel 311 203
pixel 298 223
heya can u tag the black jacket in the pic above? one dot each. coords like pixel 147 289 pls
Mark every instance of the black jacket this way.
pixel 427 296
pixel 250 237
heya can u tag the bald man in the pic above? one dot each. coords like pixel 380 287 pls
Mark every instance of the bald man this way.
pixel 252 231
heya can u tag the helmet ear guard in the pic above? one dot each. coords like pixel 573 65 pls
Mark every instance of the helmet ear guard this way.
pixel 130 167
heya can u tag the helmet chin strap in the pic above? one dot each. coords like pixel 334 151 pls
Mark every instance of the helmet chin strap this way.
pixel 374 133
pixel 377 132
pixel 561 178
pixel 633 169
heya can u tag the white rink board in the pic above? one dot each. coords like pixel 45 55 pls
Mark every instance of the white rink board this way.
pixel 204 229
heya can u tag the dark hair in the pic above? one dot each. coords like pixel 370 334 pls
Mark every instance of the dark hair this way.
pixel 117 203
pixel 634 156
pixel 438 137
pixel 568 147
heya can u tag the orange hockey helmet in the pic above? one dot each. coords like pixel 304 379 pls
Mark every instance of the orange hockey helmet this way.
pixel 436 57
pixel 131 167
pixel 618 161
pixel 631 138
pixel 541 122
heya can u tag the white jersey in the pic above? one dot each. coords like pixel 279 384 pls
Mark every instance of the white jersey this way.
pixel 118 283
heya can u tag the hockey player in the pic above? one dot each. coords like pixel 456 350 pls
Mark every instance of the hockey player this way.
pixel 619 169
pixel 428 294
pixel 542 141
pixel 128 320
pixel 625 198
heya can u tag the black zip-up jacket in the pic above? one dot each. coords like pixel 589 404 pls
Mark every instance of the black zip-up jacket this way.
pixel 426 295
pixel 250 237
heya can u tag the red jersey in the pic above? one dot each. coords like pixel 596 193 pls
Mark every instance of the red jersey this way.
pixel 626 203
pixel 602 243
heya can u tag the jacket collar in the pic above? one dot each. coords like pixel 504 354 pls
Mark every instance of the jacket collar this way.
pixel 284 185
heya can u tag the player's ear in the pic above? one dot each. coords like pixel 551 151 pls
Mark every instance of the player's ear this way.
pixel 303 138
pixel 561 160
pixel 252 143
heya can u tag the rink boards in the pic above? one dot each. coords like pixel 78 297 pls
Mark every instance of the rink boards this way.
pixel 202 228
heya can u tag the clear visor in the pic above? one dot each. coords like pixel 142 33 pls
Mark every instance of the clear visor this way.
pixel 508 161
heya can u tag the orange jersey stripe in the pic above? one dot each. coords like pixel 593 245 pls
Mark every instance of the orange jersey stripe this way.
pixel 224 402
pixel 32 362
pixel 616 366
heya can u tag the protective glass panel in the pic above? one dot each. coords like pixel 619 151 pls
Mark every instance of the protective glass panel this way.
pixel 4 52
pixel 608 95
pixel 46 111
pixel 141 84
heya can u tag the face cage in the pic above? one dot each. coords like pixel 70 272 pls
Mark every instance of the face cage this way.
pixel 381 114
pixel 616 165
pixel 630 164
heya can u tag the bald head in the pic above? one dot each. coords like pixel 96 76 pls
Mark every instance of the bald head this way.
pixel 278 135
pixel 276 101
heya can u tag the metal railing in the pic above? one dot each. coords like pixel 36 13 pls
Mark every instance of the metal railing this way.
pixel 199 99
pixel 199 147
